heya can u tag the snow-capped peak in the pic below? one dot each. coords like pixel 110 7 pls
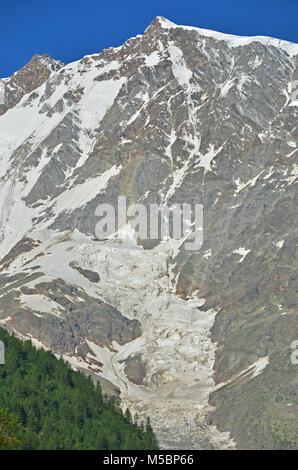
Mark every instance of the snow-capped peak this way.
pixel 233 40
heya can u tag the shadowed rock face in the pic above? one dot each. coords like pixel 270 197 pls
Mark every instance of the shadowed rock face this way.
pixel 199 340
pixel 135 369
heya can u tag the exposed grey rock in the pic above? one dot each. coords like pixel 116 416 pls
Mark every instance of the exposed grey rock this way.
pixel 178 115
pixel 27 79
pixel 135 369
pixel 91 275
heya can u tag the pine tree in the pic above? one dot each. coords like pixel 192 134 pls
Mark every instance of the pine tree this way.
pixel 9 431
pixel 58 408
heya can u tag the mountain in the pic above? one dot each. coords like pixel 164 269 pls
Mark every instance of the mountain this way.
pixel 200 340
pixel 55 408
pixel 27 79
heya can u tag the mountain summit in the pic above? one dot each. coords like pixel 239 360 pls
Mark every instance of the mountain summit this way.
pixel 27 79
pixel 199 340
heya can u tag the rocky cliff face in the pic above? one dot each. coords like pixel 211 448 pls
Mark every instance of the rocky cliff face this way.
pixel 199 340
pixel 27 79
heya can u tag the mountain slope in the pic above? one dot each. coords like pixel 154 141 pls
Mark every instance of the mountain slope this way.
pixel 178 115
pixel 58 408
pixel 27 79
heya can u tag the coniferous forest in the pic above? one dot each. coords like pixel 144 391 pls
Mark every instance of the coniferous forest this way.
pixel 44 404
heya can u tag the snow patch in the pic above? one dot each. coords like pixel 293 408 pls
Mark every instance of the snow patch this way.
pixel 79 195
pixel 152 59
pixel 242 252
pixel 180 70
pixel 236 41
pixel 206 159
pixel 207 254
pixel 40 303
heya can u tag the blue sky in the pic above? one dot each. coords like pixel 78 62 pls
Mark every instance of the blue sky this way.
pixel 69 29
